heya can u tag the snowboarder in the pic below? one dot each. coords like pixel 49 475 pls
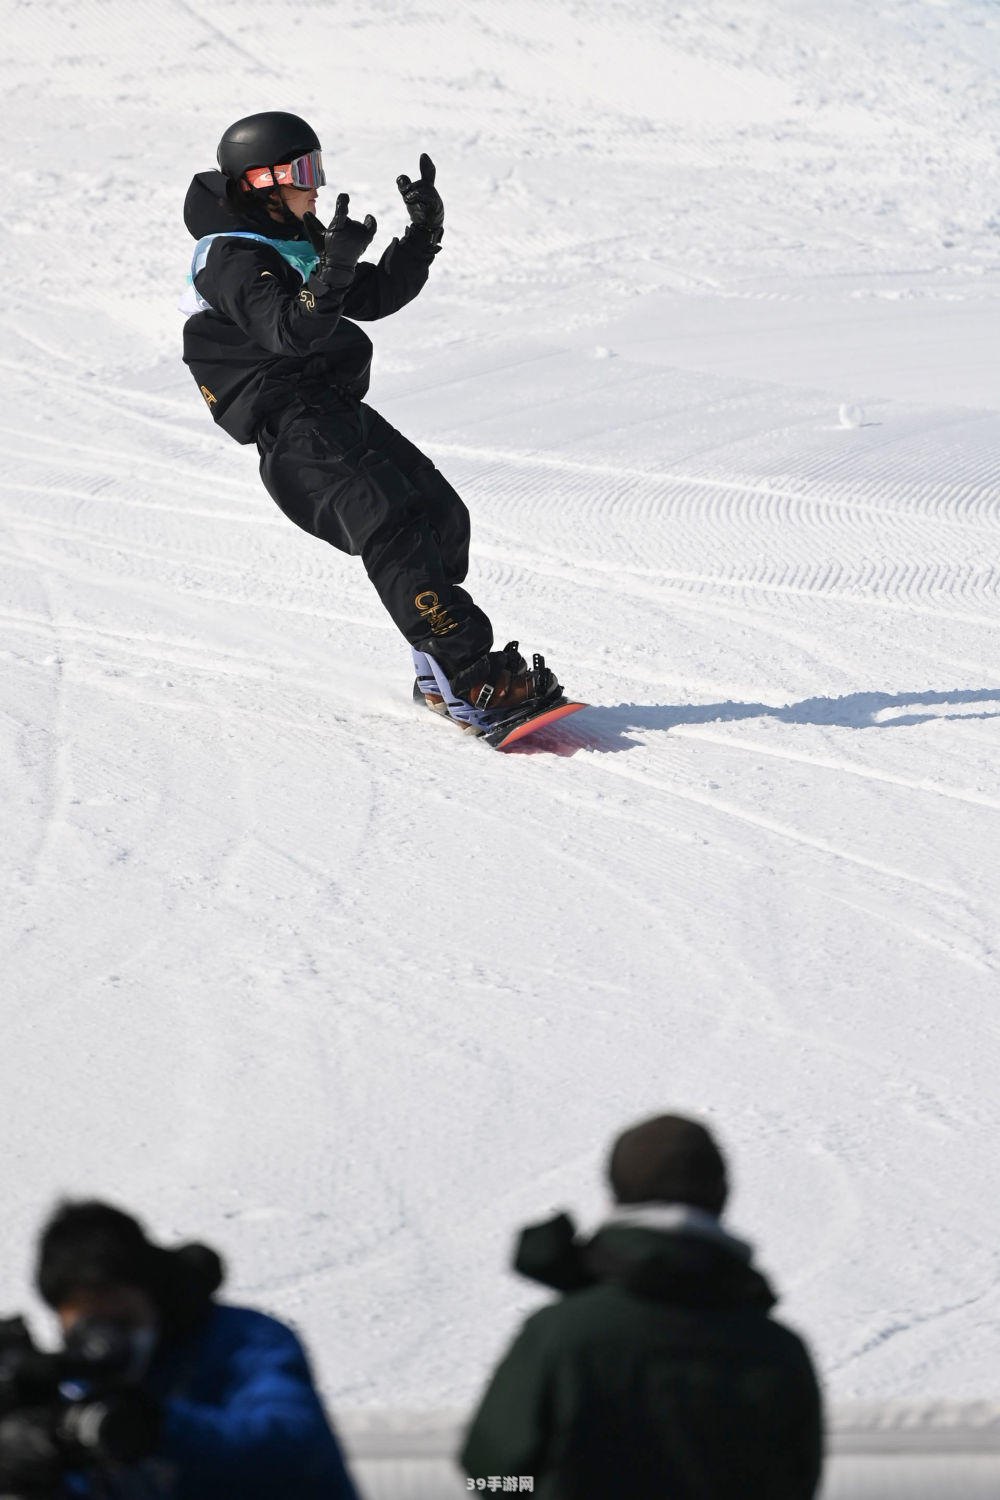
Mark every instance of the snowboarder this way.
pixel 270 346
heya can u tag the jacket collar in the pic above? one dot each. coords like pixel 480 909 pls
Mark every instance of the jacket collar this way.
pixel 679 1218
pixel 663 1252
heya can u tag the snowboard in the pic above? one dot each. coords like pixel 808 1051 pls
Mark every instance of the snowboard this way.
pixel 517 726
pixel 511 730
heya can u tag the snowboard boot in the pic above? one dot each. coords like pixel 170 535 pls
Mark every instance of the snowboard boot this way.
pixel 501 685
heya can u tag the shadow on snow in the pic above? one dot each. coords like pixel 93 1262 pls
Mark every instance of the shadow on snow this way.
pixel 606 729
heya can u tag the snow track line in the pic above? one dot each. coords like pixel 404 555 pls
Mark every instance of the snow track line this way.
pixel 983 490
pixel 129 502
pixel 914 1321
pixel 852 592
pixel 20 619
pixel 916 933
pixel 837 764
pixel 123 403
pixel 58 777
pixel 52 563
pixel 250 668
pixel 983 962
pixel 139 458
pixel 793 835
pixel 152 551
pixel 119 465
pixel 251 60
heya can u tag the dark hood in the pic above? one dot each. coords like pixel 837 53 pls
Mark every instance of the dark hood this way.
pixel 207 210
pixel 677 1266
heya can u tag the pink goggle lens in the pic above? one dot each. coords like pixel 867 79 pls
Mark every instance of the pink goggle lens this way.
pixel 304 172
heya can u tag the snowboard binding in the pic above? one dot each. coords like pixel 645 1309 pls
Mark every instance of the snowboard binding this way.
pixel 492 696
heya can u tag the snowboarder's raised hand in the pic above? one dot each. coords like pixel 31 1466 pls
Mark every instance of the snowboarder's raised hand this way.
pixel 422 199
pixel 342 245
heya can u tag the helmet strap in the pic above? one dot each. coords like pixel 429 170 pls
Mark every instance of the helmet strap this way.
pixel 256 204
pixel 287 217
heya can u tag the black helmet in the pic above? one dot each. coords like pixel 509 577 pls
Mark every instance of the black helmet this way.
pixel 264 140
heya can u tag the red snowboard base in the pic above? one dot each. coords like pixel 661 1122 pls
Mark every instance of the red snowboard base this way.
pixel 529 726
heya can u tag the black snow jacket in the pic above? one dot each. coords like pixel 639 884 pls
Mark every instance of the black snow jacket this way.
pixel 659 1374
pixel 268 337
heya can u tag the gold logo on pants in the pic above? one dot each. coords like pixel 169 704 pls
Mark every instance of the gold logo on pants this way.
pixel 435 613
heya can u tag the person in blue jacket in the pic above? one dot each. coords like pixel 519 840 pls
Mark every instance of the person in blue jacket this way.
pixel 238 1411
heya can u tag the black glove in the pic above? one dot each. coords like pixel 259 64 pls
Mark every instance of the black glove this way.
pixel 342 245
pixel 423 200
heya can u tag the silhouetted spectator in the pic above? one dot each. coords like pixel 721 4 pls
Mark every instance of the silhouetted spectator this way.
pixel 659 1372
pixel 239 1413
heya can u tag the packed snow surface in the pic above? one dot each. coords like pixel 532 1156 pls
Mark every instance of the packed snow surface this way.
pixel 711 352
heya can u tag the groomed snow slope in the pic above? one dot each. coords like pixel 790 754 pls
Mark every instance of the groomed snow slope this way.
pixel 287 966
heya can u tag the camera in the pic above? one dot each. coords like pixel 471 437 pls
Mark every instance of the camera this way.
pixel 68 1410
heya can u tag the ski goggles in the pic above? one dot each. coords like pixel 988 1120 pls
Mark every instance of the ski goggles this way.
pixel 304 172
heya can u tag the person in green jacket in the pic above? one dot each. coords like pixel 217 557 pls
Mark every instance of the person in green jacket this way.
pixel 660 1371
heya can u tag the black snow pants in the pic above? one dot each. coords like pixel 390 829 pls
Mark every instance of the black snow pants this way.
pixel 340 471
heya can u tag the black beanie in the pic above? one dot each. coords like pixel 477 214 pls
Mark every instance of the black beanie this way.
pixel 668 1159
pixel 89 1245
